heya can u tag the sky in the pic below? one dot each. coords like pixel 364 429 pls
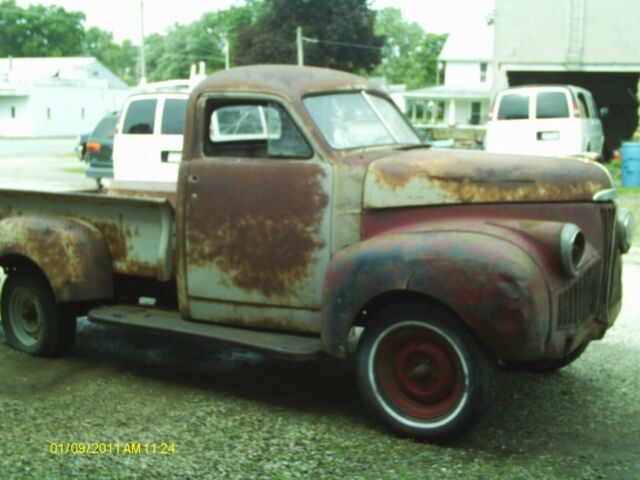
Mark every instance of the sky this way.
pixel 122 17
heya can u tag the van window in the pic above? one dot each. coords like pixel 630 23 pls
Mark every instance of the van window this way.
pixel 552 105
pixel 173 116
pixel 140 117
pixel 584 109
pixel 514 106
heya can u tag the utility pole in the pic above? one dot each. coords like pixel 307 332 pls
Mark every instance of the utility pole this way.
pixel 226 52
pixel 300 48
pixel 143 72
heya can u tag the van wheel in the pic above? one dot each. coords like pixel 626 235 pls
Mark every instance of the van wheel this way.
pixel 421 373
pixel 31 320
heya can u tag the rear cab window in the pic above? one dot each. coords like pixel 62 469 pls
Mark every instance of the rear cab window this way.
pixel 140 117
pixel 514 106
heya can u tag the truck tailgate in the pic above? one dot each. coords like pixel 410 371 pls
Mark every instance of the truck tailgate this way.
pixel 139 232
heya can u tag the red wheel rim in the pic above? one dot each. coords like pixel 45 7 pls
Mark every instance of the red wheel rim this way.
pixel 419 372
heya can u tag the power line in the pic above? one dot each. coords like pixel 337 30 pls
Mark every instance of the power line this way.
pixel 341 44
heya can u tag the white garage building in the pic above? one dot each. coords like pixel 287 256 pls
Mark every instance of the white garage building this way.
pixel 56 96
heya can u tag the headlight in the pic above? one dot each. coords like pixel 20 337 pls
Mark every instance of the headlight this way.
pixel 625 228
pixel 572 246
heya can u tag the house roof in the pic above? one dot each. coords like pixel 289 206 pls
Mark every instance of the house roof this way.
pixel 445 92
pixel 76 68
pixel 471 44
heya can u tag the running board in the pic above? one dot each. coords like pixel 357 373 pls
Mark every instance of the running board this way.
pixel 166 321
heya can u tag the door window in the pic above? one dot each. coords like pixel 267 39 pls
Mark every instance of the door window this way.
pixel 253 129
pixel 140 117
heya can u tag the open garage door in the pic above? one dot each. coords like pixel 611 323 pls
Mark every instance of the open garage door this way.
pixel 618 92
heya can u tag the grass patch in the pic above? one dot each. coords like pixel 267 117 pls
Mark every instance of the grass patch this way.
pixel 628 197
pixel 73 169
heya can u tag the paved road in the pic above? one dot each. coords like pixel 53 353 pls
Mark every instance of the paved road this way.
pixel 234 414
pixel 42 164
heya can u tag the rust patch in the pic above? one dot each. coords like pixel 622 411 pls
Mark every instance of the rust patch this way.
pixel 71 254
pixel 116 239
pixel 257 221
pixel 470 177
pixel 164 190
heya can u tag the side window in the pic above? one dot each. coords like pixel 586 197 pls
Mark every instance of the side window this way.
pixel 584 108
pixel 140 117
pixel 514 106
pixel 252 129
pixel 173 116
pixel 552 105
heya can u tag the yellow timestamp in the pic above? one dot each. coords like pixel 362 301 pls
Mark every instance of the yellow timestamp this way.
pixel 112 448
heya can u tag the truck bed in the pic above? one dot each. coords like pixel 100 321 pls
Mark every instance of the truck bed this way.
pixel 139 232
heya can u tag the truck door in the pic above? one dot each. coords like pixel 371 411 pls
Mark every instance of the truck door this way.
pixel 257 218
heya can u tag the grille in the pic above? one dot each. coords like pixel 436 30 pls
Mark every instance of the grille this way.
pixel 580 300
pixel 608 217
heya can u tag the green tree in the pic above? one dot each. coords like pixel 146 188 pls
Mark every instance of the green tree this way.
pixel 410 55
pixel 39 31
pixel 171 55
pixel 121 59
pixel 334 23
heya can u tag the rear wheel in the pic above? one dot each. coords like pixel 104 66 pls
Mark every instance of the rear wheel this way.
pixel 31 320
pixel 421 372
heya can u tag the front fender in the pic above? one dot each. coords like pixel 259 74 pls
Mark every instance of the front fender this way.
pixel 72 254
pixel 492 284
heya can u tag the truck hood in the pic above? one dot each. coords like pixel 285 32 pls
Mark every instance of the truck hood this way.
pixel 437 177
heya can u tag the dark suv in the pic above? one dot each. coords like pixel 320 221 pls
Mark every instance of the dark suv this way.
pixel 100 149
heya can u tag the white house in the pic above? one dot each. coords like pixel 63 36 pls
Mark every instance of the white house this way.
pixel 462 100
pixel 56 96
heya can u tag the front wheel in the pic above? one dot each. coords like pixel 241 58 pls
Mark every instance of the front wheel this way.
pixel 421 372
pixel 31 320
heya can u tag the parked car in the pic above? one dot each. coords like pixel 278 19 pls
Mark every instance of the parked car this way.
pixel 148 140
pixel 556 120
pixel 100 149
pixel 309 213
pixel 81 146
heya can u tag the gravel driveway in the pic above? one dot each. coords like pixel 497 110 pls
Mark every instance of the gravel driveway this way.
pixel 241 415
pixel 232 414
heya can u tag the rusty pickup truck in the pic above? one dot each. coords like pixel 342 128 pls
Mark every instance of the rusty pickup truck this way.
pixel 311 220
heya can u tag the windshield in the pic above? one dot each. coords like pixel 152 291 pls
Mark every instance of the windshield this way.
pixel 353 120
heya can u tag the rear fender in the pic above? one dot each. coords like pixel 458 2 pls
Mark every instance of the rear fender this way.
pixel 493 285
pixel 72 254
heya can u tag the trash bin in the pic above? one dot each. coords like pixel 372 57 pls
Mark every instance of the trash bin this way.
pixel 630 164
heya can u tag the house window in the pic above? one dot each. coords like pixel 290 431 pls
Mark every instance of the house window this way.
pixel 475 113
pixel 82 113
pixel 13 112
pixel 483 72
pixel 48 113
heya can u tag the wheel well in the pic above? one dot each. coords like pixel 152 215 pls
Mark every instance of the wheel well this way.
pixel 13 262
pixel 379 303
pixel 376 304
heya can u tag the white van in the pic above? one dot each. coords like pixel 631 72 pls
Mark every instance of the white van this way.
pixel 147 146
pixel 552 120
